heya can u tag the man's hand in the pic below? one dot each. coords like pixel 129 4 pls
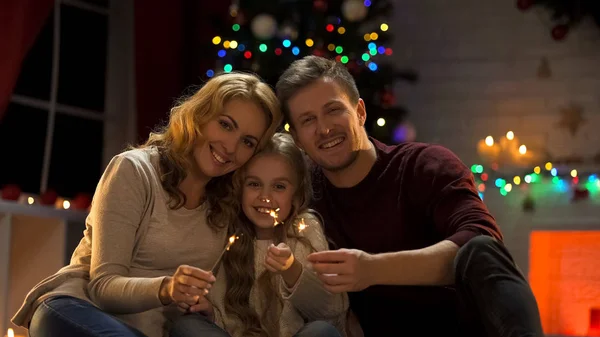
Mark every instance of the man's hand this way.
pixel 279 258
pixel 343 270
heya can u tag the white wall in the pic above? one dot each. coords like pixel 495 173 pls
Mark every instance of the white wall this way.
pixel 478 62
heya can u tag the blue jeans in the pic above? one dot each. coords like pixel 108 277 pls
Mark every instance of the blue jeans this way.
pixel 66 316
pixel 197 325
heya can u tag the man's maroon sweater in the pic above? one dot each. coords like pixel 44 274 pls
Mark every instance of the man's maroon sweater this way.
pixel 416 195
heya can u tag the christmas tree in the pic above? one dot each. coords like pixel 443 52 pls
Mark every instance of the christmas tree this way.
pixel 265 36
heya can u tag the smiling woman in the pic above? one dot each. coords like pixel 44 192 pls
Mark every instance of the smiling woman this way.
pixel 153 207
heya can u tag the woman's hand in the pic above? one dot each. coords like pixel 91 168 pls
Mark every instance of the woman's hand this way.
pixel 186 287
pixel 281 260
pixel 205 307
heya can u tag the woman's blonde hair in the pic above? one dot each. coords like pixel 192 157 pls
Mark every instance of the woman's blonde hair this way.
pixel 238 264
pixel 176 140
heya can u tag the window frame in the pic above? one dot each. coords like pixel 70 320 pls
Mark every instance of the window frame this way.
pixel 119 115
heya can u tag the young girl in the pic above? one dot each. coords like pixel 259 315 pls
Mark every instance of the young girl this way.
pixel 268 288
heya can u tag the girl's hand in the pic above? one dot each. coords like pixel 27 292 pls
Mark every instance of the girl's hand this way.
pixel 186 287
pixel 279 258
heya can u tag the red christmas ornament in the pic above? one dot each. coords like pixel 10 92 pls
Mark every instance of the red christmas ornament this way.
pixel 559 32
pixel 320 5
pixel 48 198
pixel 81 201
pixel 388 98
pixel 11 192
pixel 580 193
pixel 524 4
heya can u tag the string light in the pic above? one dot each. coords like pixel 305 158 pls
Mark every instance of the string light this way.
pixel 548 166
pixel 228 68
pixel 295 50
pixel 329 28
pixel 210 73
pixel 241 47
pixel 381 50
pixel 517 180
pixel 384 27
pixel 66 204
pixel 30 200
pixel 248 54
pixel 381 122
pixel 510 135
pixel 373 52
pixel 235 27
pixel 262 47
pixel 216 40
pixel 574 173
pixel 367 3
pixel 366 57
pixel 344 59
pixel 371 45
pixel 373 66
pixel 341 30
pixel 388 51
pixel 367 37
pixel 489 141
pixel 277 51
pixel 221 53
pixel 287 127
pixel 309 42
pixel 233 44
pixel 374 36
pixel 226 44
pixel 339 49
pixel 331 47
pixel 537 170
pixel 522 149
pixel 287 43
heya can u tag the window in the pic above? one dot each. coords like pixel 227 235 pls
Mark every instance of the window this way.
pixel 52 135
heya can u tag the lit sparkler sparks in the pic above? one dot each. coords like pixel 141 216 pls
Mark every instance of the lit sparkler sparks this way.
pixel 275 215
pixel 229 244
pixel 302 225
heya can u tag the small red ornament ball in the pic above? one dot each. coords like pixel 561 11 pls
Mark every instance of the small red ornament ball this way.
pixel 11 192
pixel 320 5
pixel 559 32
pixel 48 198
pixel 524 4
pixel 81 201
pixel 318 52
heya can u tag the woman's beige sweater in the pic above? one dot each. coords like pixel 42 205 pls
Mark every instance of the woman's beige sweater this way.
pixel 131 242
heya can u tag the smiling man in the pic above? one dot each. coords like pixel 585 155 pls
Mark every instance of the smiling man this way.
pixel 416 248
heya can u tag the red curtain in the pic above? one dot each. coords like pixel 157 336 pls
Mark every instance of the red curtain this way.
pixel 20 23
pixel 170 53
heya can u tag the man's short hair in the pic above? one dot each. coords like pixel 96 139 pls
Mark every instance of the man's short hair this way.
pixel 307 70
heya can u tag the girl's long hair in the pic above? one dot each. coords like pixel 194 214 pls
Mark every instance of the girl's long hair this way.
pixel 238 263
pixel 176 140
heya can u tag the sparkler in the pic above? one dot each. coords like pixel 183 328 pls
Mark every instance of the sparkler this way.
pixel 275 215
pixel 229 244
pixel 302 225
